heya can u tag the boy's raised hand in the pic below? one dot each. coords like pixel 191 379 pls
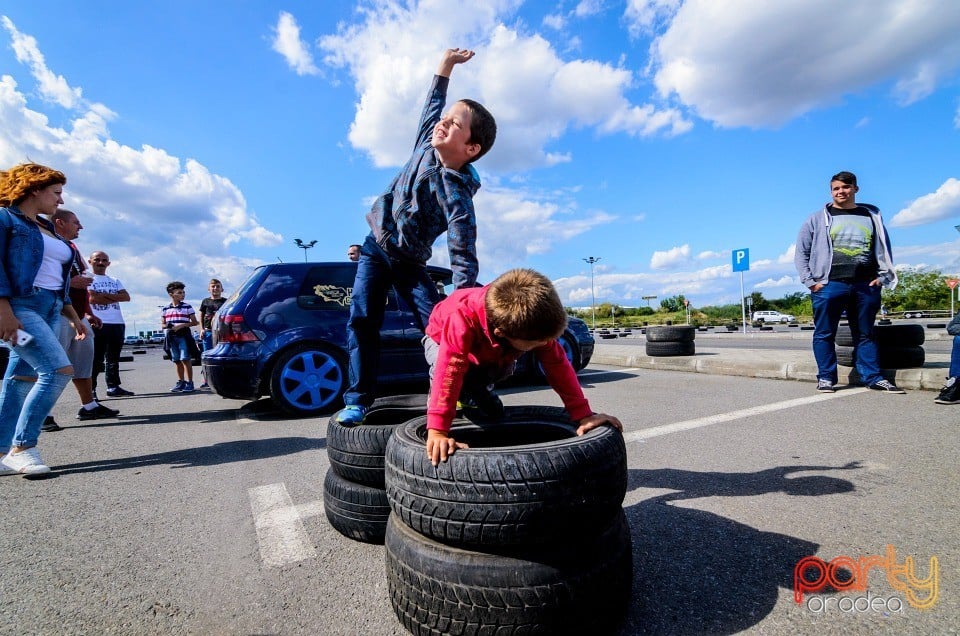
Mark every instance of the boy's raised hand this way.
pixel 440 446
pixel 452 57
pixel 598 419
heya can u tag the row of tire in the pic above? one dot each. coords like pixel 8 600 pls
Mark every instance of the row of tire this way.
pixel 671 340
pixel 898 346
pixel 521 533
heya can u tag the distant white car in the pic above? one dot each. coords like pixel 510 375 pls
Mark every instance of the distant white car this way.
pixel 133 340
pixel 773 316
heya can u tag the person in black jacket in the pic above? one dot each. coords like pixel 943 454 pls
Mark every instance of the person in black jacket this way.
pixel 950 393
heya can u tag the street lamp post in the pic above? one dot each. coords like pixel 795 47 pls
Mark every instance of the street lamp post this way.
pixel 304 247
pixel 593 298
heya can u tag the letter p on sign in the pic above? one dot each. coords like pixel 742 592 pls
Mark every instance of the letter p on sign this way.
pixel 741 260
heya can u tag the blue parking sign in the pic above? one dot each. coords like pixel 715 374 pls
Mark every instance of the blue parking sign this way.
pixel 741 260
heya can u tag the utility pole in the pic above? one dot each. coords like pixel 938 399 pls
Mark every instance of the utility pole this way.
pixel 593 298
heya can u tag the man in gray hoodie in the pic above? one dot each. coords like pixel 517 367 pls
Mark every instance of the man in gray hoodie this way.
pixel 843 256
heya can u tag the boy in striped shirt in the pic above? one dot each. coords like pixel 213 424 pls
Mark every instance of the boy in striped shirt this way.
pixel 177 319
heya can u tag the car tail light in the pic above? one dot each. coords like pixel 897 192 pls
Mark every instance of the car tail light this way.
pixel 232 329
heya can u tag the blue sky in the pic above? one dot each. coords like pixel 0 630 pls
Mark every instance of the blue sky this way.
pixel 200 138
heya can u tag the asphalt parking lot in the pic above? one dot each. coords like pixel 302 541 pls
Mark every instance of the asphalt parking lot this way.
pixel 193 514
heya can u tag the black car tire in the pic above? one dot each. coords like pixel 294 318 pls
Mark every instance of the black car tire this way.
pixel 550 589
pixel 679 333
pixel 887 335
pixel 670 348
pixel 307 380
pixel 356 511
pixel 356 452
pixel 889 357
pixel 523 478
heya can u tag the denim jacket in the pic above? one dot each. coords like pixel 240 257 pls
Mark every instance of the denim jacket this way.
pixel 426 199
pixel 21 250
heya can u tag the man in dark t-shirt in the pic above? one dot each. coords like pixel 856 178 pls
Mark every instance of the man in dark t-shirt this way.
pixel 208 307
pixel 843 256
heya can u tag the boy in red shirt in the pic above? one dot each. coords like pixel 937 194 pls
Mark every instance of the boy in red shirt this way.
pixel 474 338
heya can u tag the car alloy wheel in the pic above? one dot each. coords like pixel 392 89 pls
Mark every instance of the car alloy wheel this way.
pixel 307 380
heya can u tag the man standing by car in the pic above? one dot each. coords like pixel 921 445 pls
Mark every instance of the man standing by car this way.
pixel 843 256
pixel 80 352
pixel 106 294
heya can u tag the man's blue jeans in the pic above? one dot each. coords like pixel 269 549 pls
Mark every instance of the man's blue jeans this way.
pixel 861 301
pixel 25 404
pixel 955 358
pixel 376 273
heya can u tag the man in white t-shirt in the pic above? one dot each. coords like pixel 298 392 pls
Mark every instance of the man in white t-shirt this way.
pixel 106 294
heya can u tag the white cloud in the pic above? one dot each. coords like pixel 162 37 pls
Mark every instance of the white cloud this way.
pixel 555 21
pixel 672 258
pixel 783 281
pixel 515 224
pixel 587 8
pixel 708 254
pixel 642 16
pixel 630 288
pixel 944 256
pixel 758 63
pixel 52 87
pixel 936 206
pixel 295 51
pixel 534 94
pixel 143 205
pixel 787 257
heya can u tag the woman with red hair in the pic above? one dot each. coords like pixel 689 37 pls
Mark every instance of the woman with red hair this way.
pixel 34 291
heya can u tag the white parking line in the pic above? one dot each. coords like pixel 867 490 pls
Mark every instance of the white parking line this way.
pixel 710 420
pixel 280 531
pixel 604 371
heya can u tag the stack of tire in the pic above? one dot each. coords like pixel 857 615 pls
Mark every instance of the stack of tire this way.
pixel 521 533
pixel 898 346
pixel 354 498
pixel 671 340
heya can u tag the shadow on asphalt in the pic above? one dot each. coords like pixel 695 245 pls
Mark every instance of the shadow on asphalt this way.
pixel 221 453
pixel 201 417
pixel 696 572
pixel 602 377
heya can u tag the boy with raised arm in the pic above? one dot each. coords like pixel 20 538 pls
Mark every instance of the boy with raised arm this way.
pixel 433 194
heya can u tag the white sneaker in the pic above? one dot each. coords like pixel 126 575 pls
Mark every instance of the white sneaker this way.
pixel 25 462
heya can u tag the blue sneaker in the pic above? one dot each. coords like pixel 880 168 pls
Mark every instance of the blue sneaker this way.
pixel 350 415
pixel 178 387
pixel 188 387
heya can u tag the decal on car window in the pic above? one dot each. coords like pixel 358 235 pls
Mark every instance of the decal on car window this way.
pixel 334 294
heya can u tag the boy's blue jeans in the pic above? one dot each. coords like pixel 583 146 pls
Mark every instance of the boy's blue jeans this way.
pixel 23 404
pixel 862 303
pixel 376 273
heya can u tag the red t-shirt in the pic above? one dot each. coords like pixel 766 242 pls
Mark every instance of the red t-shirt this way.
pixel 459 325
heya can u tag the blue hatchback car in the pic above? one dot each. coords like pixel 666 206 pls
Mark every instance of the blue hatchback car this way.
pixel 284 334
